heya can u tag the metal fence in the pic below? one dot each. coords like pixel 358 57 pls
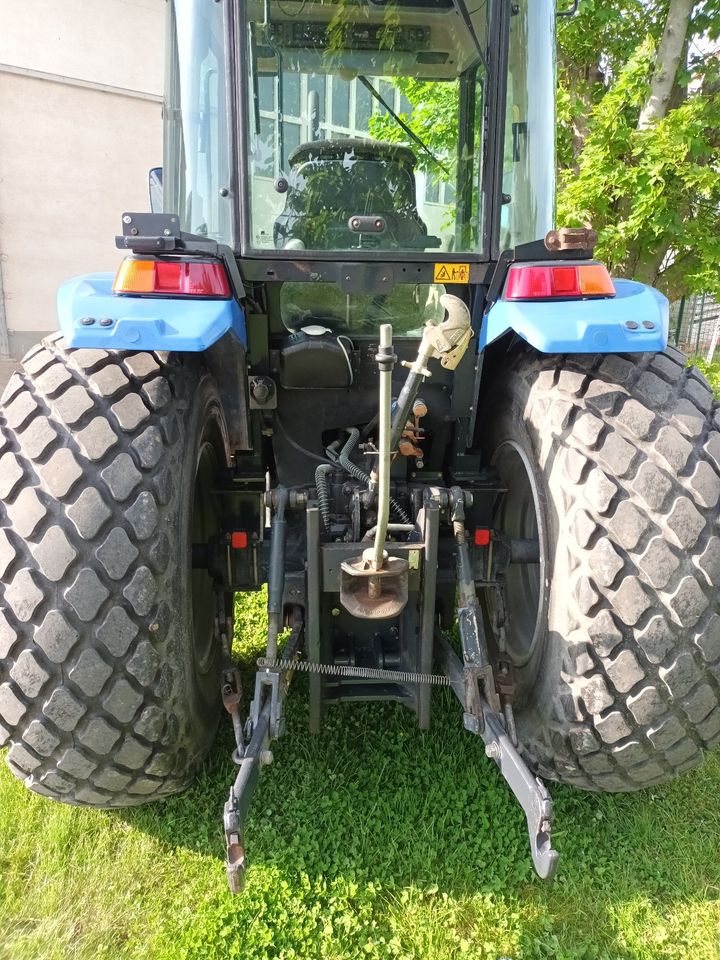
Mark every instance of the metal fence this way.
pixel 695 325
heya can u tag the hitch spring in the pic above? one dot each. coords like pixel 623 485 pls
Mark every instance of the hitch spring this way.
pixel 360 673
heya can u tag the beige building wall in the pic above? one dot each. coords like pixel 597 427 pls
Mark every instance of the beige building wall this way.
pixel 80 126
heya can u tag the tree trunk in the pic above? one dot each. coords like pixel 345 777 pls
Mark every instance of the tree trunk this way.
pixel 583 79
pixel 648 264
pixel 667 61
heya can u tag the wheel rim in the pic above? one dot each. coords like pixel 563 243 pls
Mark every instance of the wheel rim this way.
pixel 519 515
pixel 204 524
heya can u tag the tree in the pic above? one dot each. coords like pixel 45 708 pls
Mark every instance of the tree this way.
pixel 639 138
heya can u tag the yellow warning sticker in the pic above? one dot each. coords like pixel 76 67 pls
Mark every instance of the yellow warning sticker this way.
pixel 452 273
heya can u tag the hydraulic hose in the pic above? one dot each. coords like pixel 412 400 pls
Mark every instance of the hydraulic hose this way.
pixel 343 458
pixel 323 494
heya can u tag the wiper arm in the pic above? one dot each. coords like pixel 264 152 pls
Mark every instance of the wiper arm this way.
pixel 462 9
pixel 401 123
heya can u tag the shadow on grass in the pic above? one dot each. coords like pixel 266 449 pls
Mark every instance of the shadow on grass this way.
pixel 375 800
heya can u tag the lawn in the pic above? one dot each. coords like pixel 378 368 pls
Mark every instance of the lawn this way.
pixel 372 840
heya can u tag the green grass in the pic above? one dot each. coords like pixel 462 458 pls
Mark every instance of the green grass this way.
pixel 372 840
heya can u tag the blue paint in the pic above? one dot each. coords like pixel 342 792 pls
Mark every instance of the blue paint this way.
pixel 143 323
pixel 584 326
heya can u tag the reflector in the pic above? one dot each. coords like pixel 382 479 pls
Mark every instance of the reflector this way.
pixel 558 281
pixel 172 278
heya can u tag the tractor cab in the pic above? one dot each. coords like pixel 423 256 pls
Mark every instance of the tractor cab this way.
pixel 413 130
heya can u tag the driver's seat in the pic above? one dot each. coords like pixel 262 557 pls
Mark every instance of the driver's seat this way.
pixel 333 184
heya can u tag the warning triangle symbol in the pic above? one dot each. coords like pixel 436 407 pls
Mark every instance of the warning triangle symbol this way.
pixel 443 274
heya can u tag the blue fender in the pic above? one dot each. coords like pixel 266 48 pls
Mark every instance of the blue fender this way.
pixel 585 326
pixel 187 324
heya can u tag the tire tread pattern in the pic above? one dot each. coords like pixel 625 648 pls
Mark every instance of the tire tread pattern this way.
pixel 630 447
pixel 91 446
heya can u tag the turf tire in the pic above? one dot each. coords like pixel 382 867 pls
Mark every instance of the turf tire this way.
pixel 107 696
pixel 622 689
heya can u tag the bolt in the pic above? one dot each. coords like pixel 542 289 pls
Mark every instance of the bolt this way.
pixel 631 325
pixel 167 232
pixel 492 751
pixel 87 321
pixel 545 826
pixel 265 758
pixel 224 192
pixel 127 218
pixel 261 391
pixel 105 322
pixel 134 231
pixel 648 324
pixel 314 276
pixel 374 588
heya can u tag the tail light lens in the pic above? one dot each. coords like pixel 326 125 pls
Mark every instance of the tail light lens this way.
pixel 172 278
pixel 558 281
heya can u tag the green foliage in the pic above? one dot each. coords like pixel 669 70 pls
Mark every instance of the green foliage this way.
pixel 434 120
pixel 711 372
pixel 372 841
pixel 653 195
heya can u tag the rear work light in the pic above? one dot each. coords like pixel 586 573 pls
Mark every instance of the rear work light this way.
pixel 172 278
pixel 558 281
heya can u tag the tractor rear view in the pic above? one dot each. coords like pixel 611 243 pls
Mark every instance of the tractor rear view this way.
pixel 348 356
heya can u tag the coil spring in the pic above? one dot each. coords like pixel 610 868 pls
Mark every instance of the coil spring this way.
pixel 359 673
pixel 355 471
pixel 323 494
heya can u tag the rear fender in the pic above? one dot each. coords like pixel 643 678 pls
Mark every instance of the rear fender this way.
pixel 635 320
pixel 91 315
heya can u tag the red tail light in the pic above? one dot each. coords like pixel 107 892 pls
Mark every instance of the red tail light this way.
pixel 172 278
pixel 558 281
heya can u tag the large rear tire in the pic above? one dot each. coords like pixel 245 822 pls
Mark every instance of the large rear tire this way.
pixel 109 671
pixel 613 463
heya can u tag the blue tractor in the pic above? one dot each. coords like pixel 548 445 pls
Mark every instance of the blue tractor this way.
pixel 349 356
